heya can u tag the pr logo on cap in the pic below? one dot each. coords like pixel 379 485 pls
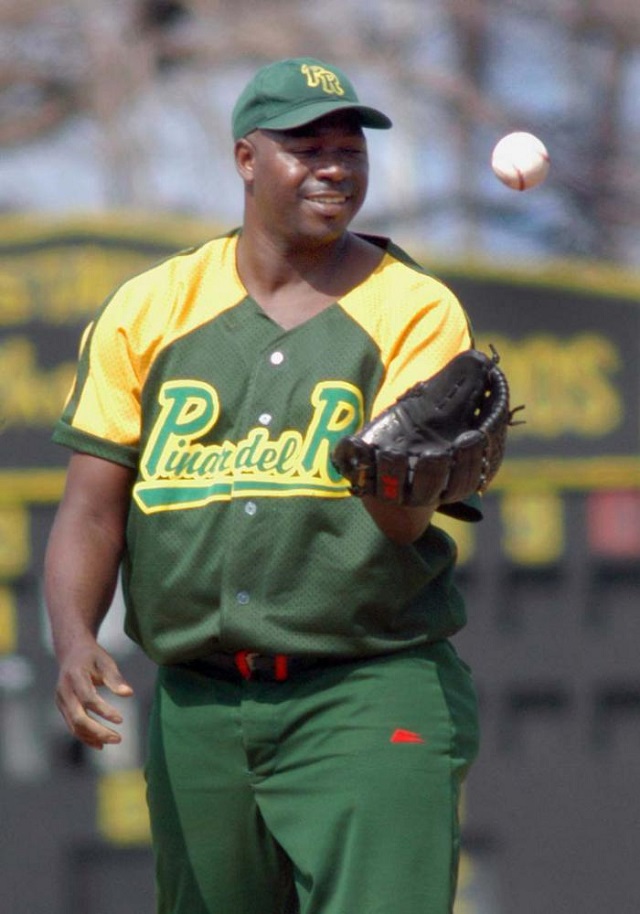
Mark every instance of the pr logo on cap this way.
pixel 319 76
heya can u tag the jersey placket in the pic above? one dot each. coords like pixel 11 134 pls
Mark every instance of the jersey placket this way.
pixel 252 518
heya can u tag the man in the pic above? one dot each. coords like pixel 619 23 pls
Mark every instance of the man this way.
pixel 312 724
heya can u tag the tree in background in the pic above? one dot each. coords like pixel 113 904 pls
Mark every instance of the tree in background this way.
pixel 155 79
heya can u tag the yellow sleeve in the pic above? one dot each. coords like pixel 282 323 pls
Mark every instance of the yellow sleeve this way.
pixel 108 404
pixel 416 322
pixel 419 348
pixel 145 315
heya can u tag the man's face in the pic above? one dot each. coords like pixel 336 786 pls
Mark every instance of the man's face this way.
pixel 307 184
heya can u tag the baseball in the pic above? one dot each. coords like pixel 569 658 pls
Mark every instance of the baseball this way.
pixel 520 160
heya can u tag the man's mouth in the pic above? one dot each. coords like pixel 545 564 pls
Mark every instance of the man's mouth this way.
pixel 329 201
pixel 328 198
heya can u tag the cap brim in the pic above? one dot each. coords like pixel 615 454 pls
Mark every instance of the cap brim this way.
pixel 369 117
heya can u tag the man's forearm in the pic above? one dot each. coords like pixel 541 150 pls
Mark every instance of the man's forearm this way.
pixel 81 573
pixel 401 524
pixel 85 548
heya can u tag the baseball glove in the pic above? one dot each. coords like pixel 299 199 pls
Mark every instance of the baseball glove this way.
pixel 439 443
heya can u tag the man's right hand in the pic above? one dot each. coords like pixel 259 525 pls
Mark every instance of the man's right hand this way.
pixel 82 672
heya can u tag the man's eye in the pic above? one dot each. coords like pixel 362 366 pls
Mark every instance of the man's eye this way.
pixel 304 150
pixel 310 151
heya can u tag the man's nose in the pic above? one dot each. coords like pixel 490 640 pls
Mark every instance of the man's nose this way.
pixel 334 165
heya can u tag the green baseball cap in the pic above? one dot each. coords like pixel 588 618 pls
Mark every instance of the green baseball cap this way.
pixel 293 92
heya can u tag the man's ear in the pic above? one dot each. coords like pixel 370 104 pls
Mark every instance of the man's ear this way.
pixel 244 154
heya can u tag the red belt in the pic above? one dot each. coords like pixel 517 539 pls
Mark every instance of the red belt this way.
pixel 249 663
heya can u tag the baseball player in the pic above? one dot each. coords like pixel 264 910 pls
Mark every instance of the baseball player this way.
pixel 312 723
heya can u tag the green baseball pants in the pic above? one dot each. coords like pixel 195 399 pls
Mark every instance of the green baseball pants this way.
pixel 333 792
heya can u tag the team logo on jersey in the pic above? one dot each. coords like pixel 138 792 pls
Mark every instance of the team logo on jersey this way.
pixel 179 471
pixel 320 76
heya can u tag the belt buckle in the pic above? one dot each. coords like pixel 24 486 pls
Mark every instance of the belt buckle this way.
pixel 246 662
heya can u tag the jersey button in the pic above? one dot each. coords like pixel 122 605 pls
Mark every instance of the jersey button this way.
pixel 250 508
pixel 265 418
pixel 242 597
pixel 276 358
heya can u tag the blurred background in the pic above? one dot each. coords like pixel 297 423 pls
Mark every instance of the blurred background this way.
pixel 115 151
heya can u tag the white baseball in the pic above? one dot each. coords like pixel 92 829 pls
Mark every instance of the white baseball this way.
pixel 520 160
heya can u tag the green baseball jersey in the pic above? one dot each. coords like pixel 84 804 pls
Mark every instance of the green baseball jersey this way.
pixel 241 534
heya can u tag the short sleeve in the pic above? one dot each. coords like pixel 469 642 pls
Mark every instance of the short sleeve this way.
pixel 102 412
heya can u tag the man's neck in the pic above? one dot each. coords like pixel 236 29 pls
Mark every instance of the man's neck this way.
pixel 266 264
pixel 293 286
